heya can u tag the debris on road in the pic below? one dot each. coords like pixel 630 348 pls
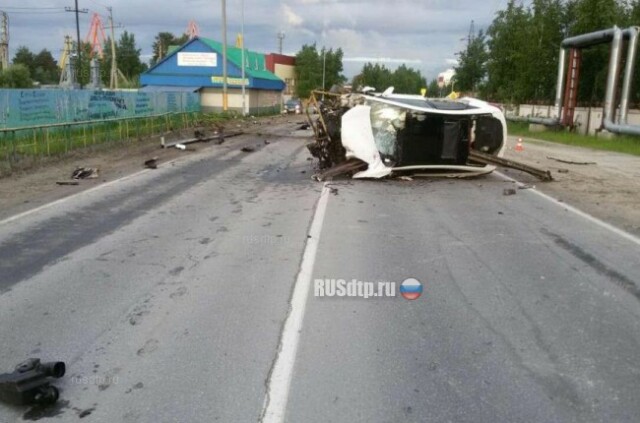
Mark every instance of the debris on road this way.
pixel 346 168
pixel 571 161
pixel 405 178
pixel 509 191
pixel 406 134
pixel 247 149
pixel 85 173
pixel 218 136
pixel 523 187
pixel 30 383
pixel 333 191
pixel 543 175
pixel 563 170
pixel 304 127
pixel 68 183
pixel 151 163
pixel 266 142
pixel 181 147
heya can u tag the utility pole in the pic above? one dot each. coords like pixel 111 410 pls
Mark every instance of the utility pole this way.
pixel 79 46
pixel 4 40
pixel 280 40
pixel 244 65
pixel 113 81
pixel 472 33
pixel 225 100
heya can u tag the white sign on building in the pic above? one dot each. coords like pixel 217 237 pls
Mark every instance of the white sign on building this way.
pixel 209 60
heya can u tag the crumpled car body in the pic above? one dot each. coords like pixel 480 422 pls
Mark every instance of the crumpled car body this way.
pixel 409 133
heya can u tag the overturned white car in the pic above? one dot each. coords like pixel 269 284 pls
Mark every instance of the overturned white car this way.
pixel 396 134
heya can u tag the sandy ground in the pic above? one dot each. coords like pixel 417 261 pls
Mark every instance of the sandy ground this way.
pixel 608 189
pixel 29 189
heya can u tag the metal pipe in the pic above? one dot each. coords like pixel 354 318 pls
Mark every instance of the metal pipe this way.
pixel 632 50
pixel 609 103
pixel 562 63
pixel 590 39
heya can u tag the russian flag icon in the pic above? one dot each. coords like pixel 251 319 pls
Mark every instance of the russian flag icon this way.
pixel 411 289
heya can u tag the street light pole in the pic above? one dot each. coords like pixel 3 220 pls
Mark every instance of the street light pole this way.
pixel 244 112
pixel 225 100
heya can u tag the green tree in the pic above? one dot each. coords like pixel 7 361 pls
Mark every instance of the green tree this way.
pixel 24 56
pixel 433 90
pixel 309 69
pixel 377 76
pixel 472 64
pixel 45 68
pixel 407 80
pixel 16 76
pixel 129 57
pixel 163 41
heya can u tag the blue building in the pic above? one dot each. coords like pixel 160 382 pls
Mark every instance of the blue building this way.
pixel 197 67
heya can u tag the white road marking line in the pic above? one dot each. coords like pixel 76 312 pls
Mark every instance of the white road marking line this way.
pixel 279 383
pixel 624 234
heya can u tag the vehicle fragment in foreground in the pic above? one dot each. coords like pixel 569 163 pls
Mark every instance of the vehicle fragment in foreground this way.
pixel 407 135
pixel 30 383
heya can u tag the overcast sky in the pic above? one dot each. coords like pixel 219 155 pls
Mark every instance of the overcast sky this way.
pixel 424 34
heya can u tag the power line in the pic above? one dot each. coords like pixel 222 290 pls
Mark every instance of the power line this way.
pixel 30 8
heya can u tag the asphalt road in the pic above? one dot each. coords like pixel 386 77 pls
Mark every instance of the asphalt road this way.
pixel 170 296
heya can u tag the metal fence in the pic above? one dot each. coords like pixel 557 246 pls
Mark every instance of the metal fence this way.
pixel 23 146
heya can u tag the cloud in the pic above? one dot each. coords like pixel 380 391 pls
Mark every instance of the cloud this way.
pixel 382 60
pixel 290 16
pixel 424 34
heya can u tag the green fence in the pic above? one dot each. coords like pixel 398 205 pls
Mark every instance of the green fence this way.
pixel 20 146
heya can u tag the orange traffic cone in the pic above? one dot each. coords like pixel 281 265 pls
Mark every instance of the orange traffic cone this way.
pixel 519 146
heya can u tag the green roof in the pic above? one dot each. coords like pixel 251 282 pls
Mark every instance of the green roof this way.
pixel 255 64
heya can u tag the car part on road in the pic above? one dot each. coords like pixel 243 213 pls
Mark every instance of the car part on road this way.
pixel 543 175
pixel 151 163
pixel 85 173
pixel 346 168
pixel 571 161
pixel 30 383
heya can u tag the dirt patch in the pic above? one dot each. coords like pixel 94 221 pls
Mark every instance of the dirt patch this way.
pixel 607 188
pixel 31 188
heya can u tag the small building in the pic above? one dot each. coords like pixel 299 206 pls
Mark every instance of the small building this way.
pixel 284 67
pixel 197 67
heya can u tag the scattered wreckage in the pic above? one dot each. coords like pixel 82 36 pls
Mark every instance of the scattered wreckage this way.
pixel 379 135
pixel 30 383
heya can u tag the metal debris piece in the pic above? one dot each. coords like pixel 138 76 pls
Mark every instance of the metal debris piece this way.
pixel 30 383
pixel 345 168
pixel 68 183
pixel 85 173
pixel 571 161
pixel 151 163
pixel 543 175
pixel 509 191
pixel 247 149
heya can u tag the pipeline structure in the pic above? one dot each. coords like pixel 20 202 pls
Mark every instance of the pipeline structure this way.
pixel 568 80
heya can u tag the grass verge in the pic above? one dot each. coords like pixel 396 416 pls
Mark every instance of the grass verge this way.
pixel 619 144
